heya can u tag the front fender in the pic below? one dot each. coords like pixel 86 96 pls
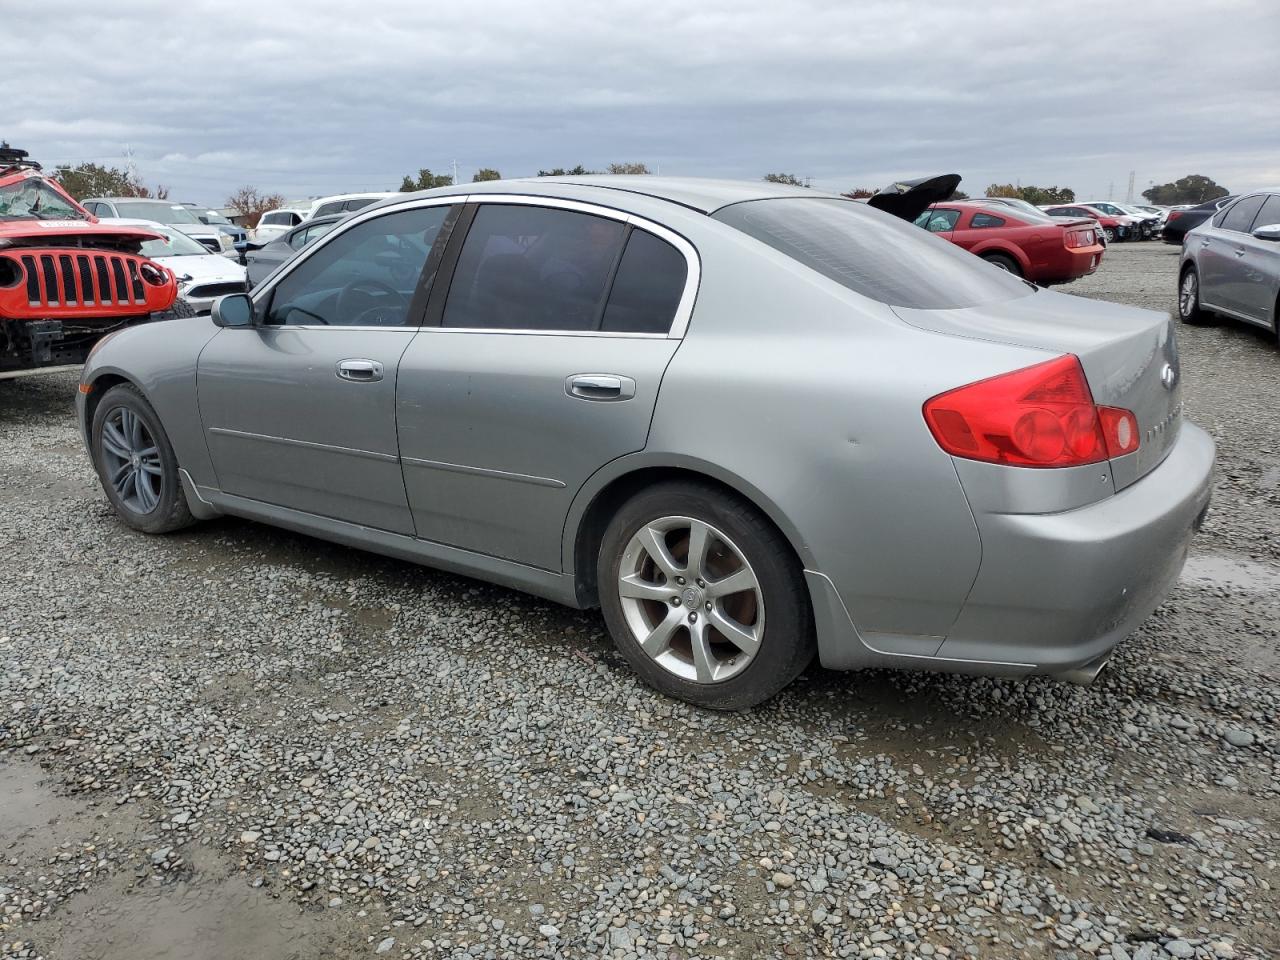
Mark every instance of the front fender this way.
pixel 160 360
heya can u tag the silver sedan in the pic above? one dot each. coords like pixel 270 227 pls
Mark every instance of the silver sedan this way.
pixel 752 423
pixel 1231 264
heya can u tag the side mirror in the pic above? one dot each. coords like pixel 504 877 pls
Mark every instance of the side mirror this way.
pixel 1270 231
pixel 233 310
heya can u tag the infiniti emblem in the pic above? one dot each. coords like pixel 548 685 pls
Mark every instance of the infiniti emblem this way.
pixel 691 597
pixel 1169 376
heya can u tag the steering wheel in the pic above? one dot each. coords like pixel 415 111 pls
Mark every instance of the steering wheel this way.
pixel 368 286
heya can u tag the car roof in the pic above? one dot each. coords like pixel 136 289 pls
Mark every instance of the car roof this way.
pixel 167 203
pixel 705 195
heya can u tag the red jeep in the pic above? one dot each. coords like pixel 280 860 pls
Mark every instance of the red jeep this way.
pixel 66 280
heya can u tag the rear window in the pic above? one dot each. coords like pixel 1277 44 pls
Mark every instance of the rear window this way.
pixel 873 253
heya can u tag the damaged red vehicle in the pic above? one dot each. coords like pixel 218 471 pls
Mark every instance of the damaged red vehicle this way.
pixel 66 280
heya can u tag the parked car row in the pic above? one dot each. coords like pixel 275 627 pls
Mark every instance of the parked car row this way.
pixel 273 223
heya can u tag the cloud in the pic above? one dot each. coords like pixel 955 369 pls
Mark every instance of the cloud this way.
pixel 307 97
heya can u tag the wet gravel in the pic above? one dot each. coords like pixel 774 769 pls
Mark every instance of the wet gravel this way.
pixel 298 750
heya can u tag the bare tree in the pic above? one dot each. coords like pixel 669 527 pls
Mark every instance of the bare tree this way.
pixel 250 204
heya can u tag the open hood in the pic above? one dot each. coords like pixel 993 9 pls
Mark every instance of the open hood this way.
pixel 910 198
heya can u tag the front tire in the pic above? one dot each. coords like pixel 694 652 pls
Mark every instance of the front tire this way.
pixel 1189 309
pixel 1110 234
pixel 136 463
pixel 704 596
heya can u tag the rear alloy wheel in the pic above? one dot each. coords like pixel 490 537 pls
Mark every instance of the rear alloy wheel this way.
pixel 1004 262
pixel 1189 310
pixel 136 464
pixel 703 597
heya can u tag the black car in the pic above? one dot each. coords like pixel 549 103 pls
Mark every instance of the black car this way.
pixel 260 259
pixel 1179 222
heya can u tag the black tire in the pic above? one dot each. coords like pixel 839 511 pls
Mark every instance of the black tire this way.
pixel 1110 234
pixel 1004 262
pixel 1189 309
pixel 182 309
pixel 787 644
pixel 170 511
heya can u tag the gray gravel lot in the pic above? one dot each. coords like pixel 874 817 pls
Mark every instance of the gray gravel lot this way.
pixel 237 742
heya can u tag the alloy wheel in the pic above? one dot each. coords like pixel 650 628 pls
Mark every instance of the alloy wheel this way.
pixel 1188 293
pixel 691 599
pixel 131 460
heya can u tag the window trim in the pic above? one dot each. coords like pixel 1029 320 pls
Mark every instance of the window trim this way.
pixel 453 247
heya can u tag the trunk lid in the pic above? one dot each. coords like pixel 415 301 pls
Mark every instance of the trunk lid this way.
pixel 1129 355
pixel 910 198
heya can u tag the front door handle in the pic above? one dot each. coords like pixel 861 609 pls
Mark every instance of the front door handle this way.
pixel 1239 253
pixel 600 386
pixel 360 371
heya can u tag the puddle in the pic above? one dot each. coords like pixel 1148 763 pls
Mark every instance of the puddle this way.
pixel 1247 575
pixel 200 920
pixel 30 813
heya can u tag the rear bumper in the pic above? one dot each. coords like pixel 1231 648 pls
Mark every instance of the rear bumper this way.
pixel 1054 592
pixel 1074 263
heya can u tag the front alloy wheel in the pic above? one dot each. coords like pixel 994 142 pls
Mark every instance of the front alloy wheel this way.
pixel 131 461
pixel 690 599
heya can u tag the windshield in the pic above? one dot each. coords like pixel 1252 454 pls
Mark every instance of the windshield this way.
pixel 209 216
pixel 156 212
pixel 873 253
pixel 174 244
pixel 32 198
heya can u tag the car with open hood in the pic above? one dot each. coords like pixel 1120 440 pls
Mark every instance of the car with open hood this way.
pixel 67 280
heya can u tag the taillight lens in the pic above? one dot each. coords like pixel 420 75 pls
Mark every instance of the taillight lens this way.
pixel 1173 215
pixel 1040 416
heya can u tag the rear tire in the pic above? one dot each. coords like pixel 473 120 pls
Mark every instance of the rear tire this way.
pixel 666 609
pixel 1189 309
pixel 1004 262
pixel 136 463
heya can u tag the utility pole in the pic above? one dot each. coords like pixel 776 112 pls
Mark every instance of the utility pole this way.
pixel 131 169
pixel 1128 197
pixel 455 172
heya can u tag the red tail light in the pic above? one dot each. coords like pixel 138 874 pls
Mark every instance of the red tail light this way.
pixel 1173 215
pixel 1040 416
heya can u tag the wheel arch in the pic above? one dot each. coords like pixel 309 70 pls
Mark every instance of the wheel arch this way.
pixel 611 486
pixel 101 382
pixel 1007 249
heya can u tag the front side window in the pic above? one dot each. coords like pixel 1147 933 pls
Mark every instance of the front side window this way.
pixel 981 220
pixel 533 268
pixel 873 253
pixel 1269 214
pixel 1239 216
pixel 365 277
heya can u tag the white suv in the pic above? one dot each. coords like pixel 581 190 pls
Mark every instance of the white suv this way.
pixel 275 222
pixel 344 203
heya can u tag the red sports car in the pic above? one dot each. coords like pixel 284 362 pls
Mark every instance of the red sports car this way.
pixel 1034 246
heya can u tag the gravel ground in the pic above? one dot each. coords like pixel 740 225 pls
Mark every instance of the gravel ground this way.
pixel 236 742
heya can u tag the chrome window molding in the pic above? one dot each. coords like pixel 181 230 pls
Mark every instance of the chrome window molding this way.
pixel 679 323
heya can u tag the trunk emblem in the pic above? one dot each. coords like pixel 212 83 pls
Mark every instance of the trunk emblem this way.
pixel 1169 376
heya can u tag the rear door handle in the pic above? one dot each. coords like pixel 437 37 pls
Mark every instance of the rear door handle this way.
pixel 360 371
pixel 599 386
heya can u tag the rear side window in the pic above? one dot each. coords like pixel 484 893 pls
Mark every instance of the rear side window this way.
pixel 873 253
pixel 647 288
pixel 981 220
pixel 1239 215
pixel 325 209
pixel 359 203
pixel 533 268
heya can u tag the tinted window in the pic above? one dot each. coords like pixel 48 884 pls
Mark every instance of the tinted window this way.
pixel 365 277
pixel 359 203
pixel 333 206
pixel 1269 214
pixel 938 221
pixel 981 220
pixel 647 287
pixel 1241 213
pixel 277 219
pixel 873 253
pixel 533 268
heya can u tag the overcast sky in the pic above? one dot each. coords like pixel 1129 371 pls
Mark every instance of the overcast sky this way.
pixel 310 97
